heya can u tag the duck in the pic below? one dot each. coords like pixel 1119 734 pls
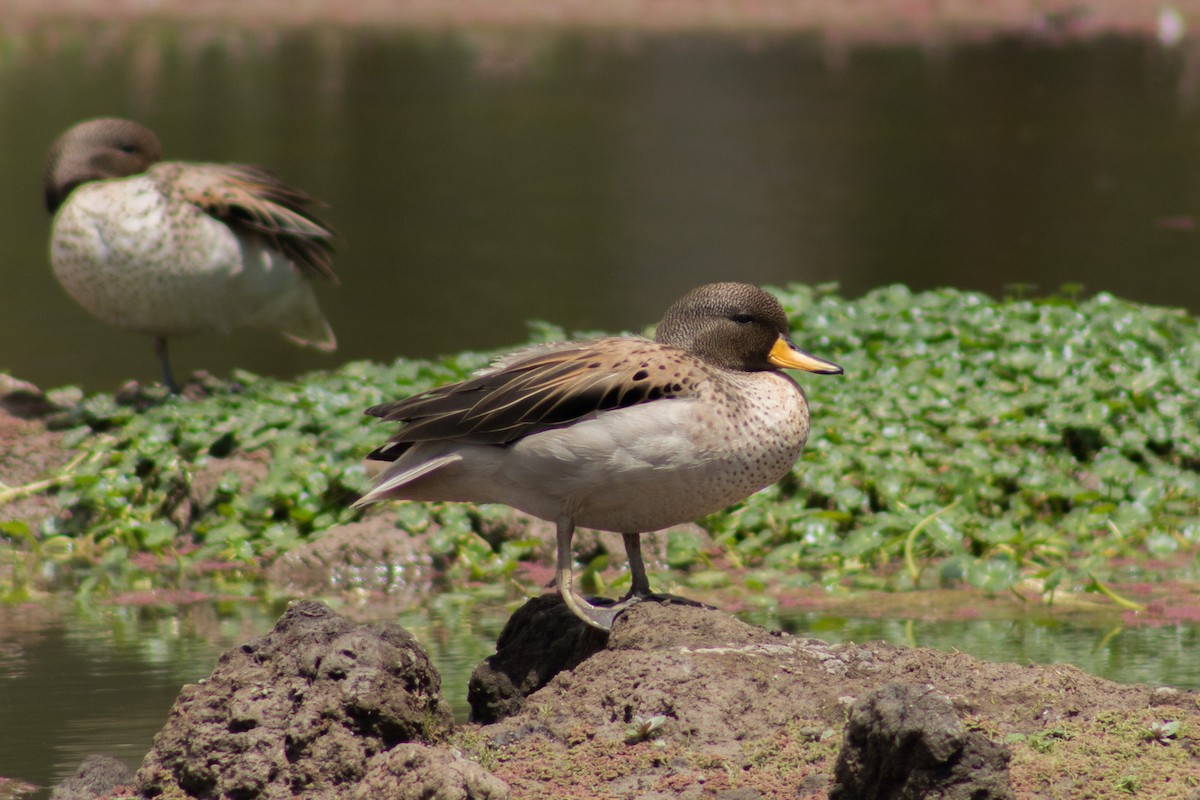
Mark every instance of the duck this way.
pixel 620 433
pixel 176 248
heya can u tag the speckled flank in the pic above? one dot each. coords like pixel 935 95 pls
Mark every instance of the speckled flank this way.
pixel 726 437
pixel 138 256
pixel 172 248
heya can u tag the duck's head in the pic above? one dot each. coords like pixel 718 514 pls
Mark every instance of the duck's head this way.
pixel 95 150
pixel 736 326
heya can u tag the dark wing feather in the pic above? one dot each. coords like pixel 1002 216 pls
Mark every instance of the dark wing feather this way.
pixel 252 198
pixel 550 388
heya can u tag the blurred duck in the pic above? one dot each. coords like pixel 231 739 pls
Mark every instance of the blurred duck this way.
pixel 617 434
pixel 172 248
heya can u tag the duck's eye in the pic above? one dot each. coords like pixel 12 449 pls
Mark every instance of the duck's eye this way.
pixel 131 149
pixel 742 319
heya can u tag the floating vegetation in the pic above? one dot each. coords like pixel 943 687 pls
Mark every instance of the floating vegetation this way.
pixel 1023 443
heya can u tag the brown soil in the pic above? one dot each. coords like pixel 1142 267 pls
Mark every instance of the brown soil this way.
pixel 765 713
pixel 29 453
pixel 678 702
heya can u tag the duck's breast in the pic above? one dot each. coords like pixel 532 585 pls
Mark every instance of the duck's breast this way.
pixel 662 463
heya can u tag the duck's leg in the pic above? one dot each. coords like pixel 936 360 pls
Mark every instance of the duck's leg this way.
pixel 637 568
pixel 160 350
pixel 596 616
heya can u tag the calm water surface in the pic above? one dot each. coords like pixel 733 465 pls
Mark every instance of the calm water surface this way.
pixel 103 681
pixel 483 180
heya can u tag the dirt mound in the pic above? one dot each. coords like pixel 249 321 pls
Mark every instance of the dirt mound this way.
pixel 676 703
pixel 300 711
pixel 688 702
pixel 420 772
pixel 721 681
pixel 904 740
pixel 28 451
pixel 542 639
pixel 96 776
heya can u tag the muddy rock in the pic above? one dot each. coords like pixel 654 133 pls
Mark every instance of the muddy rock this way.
pixel 371 555
pixel 420 772
pixel 717 680
pixel 720 681
pixel 540 640
pixel 905 742
pixel 299 712
pixel 22 399
pixel 97 776
pixel 543 638
pixel 29 453
pixel 689 703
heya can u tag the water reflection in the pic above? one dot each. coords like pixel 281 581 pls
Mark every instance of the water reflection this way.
pixel 483 180
pixel 100 682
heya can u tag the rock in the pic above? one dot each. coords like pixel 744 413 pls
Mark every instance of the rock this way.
pixel 22 399
pixel 97 776
pixel 371 555
pixel 540 640
pixel 418 772
pixel 1166 696
pixel 298 712
pixel 718 681
pixel 905 742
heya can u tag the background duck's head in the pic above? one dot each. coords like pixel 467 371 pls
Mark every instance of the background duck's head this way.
pixel 736 326
pixel 96 150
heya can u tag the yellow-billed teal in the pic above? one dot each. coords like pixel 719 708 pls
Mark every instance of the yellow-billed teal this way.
pixel 171 248
pixel 617 434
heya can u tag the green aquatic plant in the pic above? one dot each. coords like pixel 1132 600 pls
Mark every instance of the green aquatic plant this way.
pixel 1023 443
pixel 1161 732
pixel 1001 441
pixel 644 728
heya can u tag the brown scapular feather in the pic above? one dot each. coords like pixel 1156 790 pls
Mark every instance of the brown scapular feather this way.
pixel 252 198
pixel 528 395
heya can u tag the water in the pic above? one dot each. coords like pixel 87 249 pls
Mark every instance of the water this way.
pixel 103 680
pixel 482 180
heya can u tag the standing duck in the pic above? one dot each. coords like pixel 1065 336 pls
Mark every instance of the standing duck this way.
pixel 619 434
pixel 172 248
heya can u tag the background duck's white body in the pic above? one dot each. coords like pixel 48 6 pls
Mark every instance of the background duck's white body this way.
pixel 627 470
pixel 137 256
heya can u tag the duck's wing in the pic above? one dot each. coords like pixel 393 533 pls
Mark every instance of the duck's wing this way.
pixel 549 387
pixel 250 198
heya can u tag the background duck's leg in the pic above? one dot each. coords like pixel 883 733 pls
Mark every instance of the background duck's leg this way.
pixel 160 350
pixel 601 618
pixel 637 568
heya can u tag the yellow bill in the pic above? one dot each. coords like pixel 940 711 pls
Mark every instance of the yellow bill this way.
pixel 787 355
